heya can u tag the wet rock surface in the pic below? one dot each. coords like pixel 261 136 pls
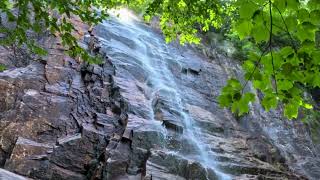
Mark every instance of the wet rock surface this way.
pixel 148 112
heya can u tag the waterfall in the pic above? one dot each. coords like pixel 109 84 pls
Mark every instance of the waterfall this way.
pixel 153 55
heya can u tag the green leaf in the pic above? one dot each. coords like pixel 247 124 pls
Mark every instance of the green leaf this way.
pixel 267 64
pixel 8 4
pixel 235 107
pixel 303 15
pixel 2 67
pixel 297 76
pixel 287 69
pixel 225 100
pixel 243 105
pixel 306 47
pixel 293 4
pixel 243 29
pixel 291 23
pixel 247 10
pixel 307 106
pixel 291 110
pixel 304 33
pixel 260 33
pixel 313 4
pixel 242 108
pixel 294 60
pixel 248 66
pixel 280 4
pixel 147 18
pixel 235 84
pixel 316 80
pixel 278 61
pixel 316 57
pixel 295 92
pixel 269 102
pixel 284 84
pixel 257 75
pixel 315 17
pixel 253 56
pixel 309 26
pixel 248 97
pixel 259 1
pixel 259 84
pixel 286 51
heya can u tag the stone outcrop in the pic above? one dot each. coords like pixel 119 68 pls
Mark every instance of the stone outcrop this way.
pixel 7 175
pixel 58 116
pixel 149 111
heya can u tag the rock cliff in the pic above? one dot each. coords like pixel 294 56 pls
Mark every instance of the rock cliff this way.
pixel 149 111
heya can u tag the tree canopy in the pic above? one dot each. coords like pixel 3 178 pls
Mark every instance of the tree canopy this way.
pixel 280 71
pixel 53 16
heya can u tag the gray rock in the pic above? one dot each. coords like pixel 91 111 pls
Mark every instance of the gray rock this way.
pixel 29 157
pixel 7 175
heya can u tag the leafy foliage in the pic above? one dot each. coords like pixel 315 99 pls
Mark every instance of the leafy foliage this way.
pixel 2 67
pixel 51 15
pixel 232 96
pixel 280 71
pixel 184 19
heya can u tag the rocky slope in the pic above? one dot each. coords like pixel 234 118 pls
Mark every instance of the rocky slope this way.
pixel 148 112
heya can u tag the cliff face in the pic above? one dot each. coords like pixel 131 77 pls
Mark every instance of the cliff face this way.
pixel 148 112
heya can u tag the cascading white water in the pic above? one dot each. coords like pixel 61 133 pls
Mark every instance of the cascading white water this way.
pixel 154 55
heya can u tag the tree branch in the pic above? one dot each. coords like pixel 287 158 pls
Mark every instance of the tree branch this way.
pixel 287 30
pixel 255 68
pixel 270 46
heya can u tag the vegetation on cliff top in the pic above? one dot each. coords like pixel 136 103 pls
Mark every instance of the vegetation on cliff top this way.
pixel 280 71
